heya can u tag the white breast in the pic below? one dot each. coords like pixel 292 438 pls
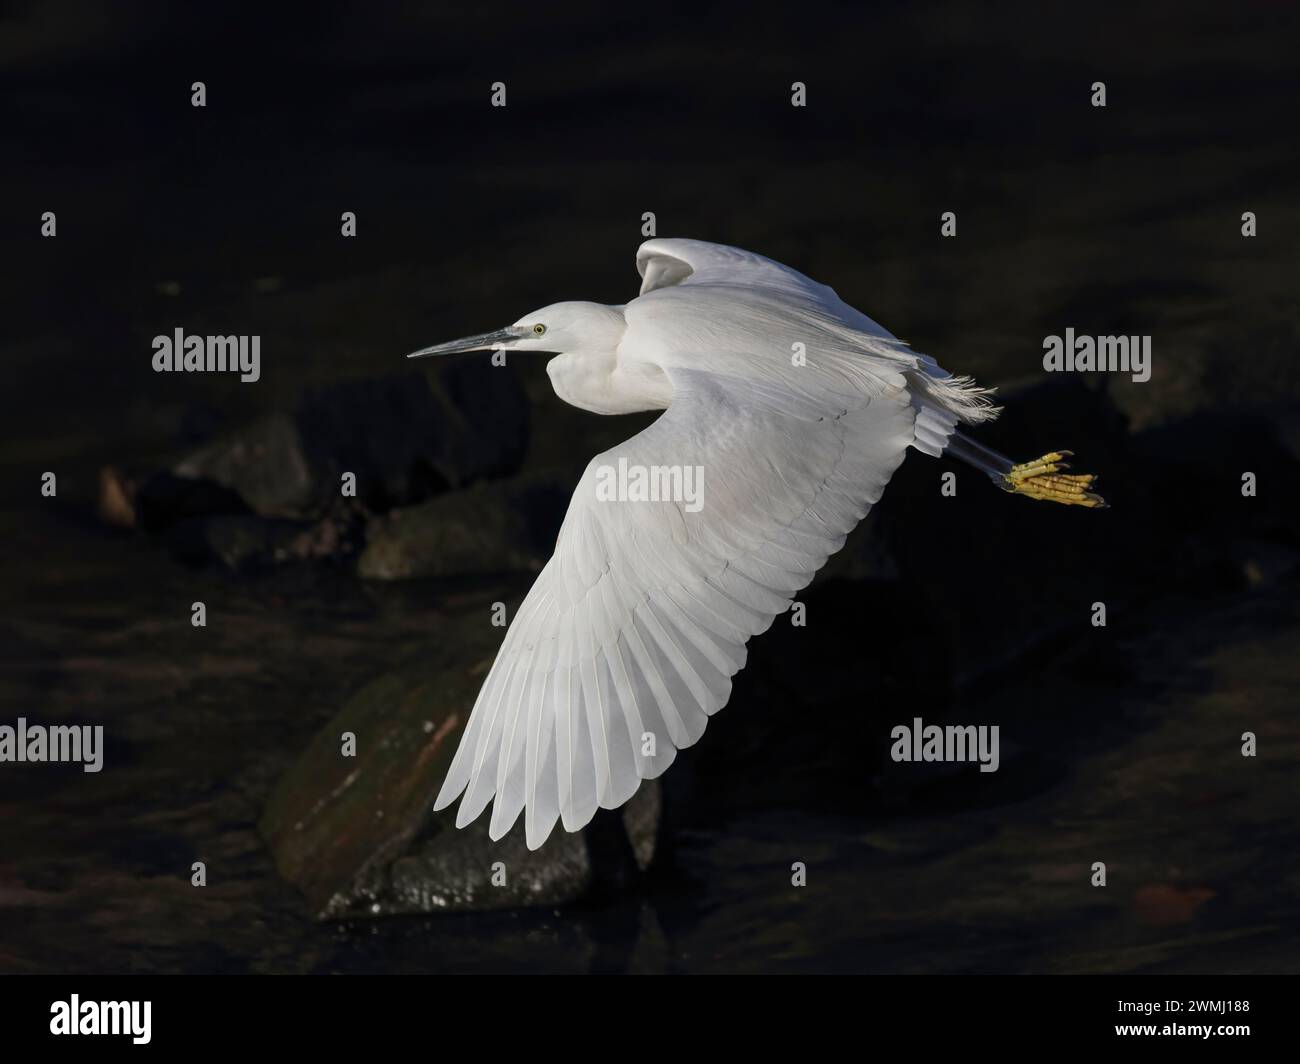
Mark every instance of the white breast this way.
pixel 604 384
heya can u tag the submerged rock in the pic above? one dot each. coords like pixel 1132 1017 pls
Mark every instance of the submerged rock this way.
pixel 357 833
pixel 489 528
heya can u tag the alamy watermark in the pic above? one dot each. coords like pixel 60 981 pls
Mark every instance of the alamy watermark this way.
pixel 1103 354
pixel 629 482
pixel 75 1016
pixel 59 742
pixel 955 742
pixel 179 353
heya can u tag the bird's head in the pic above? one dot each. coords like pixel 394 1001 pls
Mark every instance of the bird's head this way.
pixel 559 328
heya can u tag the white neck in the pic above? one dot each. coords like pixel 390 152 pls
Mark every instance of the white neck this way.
pixel 594 377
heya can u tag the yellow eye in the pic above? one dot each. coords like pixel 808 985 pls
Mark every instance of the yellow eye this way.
pixel 538 330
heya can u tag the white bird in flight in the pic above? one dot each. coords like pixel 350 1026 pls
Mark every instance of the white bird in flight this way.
pixel 626 643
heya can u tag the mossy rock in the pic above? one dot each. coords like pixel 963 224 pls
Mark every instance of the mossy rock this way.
pixel 358 836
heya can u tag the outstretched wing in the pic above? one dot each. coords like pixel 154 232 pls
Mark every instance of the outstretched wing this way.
pixel 665 262
pixel 628 640
pixel 941 399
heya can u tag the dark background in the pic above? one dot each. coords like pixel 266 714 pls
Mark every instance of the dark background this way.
pixel 1119 744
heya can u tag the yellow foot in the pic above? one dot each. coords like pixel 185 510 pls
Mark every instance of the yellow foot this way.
pixel 1043 479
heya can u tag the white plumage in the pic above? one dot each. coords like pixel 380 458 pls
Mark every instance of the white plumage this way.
pixel 640 619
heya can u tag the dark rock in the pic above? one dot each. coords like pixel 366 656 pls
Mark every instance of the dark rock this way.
pixel 358 836
pixel 339 534
pixel 453 870
pixel 265 463
pixel 406 437
pixel 271 491
pixel 248 541
pixel 164 499
pixel 488 528
pixel 237 541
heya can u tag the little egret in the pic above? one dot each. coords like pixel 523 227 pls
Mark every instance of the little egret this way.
pixel 796 409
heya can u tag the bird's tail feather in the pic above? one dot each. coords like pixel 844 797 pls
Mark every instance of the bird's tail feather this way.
pixel 968 401
pixel 929 383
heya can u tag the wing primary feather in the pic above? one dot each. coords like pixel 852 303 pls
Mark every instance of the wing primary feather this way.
pixel 641 618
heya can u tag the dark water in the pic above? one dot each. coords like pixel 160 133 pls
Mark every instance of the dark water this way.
pixel 1121 748
pixel 936 872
